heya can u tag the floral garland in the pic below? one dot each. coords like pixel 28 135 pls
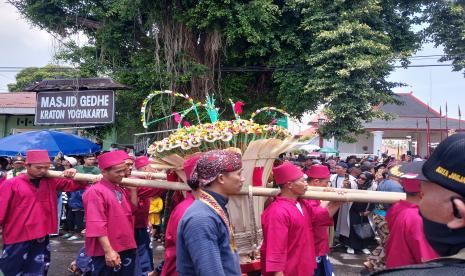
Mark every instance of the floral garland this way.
pixel 268 108
pixel 156 93
pixel 218 135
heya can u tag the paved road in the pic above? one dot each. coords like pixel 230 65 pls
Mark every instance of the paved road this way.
pixel 64 251
pixel 346 264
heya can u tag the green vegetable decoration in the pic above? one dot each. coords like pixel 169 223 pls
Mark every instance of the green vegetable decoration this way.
pixel 212 111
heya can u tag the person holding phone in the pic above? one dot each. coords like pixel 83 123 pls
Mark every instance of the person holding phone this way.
pixel 342 221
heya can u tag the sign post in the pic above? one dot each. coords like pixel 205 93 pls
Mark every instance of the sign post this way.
pixel 75 107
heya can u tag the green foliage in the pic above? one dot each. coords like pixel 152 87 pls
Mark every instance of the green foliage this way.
pixel 447 28
pixel 32 75
pixel 298 54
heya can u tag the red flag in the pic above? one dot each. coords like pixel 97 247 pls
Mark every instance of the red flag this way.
pixel 177 117
pixel 238 107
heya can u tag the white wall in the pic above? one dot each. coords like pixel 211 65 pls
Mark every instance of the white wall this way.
pixel 295 126
pixel 362 141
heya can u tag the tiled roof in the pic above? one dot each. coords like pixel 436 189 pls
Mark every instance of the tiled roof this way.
pixel 412 114
pixel 77 84
pixel 18 100
pixel 309 132
pixel 411 107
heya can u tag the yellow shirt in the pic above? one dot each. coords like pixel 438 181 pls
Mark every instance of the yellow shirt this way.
pixel 156 206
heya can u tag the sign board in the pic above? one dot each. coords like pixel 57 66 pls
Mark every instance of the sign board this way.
pixel 75 107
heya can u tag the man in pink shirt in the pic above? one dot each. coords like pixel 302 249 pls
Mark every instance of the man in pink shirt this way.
pixel 141 217
pixel 318 175
pixel 169 266
pixel 407 244
pixel 288 243
pixel 28 214
pixel 109 220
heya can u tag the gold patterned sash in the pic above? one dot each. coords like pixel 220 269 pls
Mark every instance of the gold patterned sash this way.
pixel 212 203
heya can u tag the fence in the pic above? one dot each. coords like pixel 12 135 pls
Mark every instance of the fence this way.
pixel 143 140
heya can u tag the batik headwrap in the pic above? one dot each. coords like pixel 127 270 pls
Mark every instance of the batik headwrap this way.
pixel 215 162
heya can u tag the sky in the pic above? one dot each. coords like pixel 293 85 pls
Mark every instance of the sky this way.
pixel 23 45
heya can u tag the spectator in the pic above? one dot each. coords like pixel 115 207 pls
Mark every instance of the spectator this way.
pixel 358 214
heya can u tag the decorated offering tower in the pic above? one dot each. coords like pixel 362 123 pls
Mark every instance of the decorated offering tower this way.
pixel 259 144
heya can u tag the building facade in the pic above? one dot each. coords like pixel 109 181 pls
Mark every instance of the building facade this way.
pixel 419 125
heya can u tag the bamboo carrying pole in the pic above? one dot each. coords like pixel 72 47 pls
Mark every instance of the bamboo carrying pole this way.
pixel 161 175
pixel 336 195
pixel 343 190
pixel 149 175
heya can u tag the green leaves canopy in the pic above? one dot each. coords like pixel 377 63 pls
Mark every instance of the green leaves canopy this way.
pixel 295 55
pixel 31 75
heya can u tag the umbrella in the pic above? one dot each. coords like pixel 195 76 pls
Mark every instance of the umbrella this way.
pixel 328 150
pixel 314 154
pixel 53 141
pixel 309 147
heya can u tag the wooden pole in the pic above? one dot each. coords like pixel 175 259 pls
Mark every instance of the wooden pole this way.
pixel 345 196
pixel 447 125
pixel 440 121
pixel 343 190
pixel 149 175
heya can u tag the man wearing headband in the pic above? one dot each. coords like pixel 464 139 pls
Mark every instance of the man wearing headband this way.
pixel 406 244
pixel 28 215
pixel 442 209
pixel 288 243
pixel 205 239
pixel 75 216
pixel 109 219
pixel 169 267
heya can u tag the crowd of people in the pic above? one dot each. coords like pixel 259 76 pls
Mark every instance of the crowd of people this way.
pixel 422 235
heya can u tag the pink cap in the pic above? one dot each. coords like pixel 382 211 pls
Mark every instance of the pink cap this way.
pixel 411 185
pixel 122 154
pixel 318 171
pixel 37 157
pixel 111 158
pixel 141 162
pixel 189 165
pixel 286 172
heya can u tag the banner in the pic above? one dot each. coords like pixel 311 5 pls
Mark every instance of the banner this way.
pixel 75 107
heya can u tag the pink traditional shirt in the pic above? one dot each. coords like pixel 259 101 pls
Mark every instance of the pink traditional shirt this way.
pixel 108 212
pixel 169 267
pixel 407 244
pixel 28 212
pixel 141 213
pixel 320 227
pixel 288 243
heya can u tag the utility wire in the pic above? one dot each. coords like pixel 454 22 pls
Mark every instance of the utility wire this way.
pixel 17 68
pixel 223 69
